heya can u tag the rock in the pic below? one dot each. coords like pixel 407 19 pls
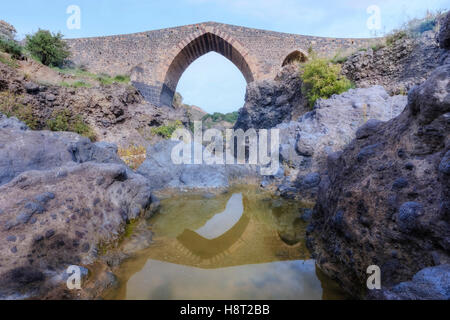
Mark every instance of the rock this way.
pixel 408 216
pixel 369 128
pixel 7 31
pixel 162 173
pixel 54 245
pixel 389 192
pixel 31 87
pixel 12 123
pixel 44 173
pixel 307 215
pixel 444 32
pixel 46 150
pixel 271 102
pixel 444 166
pixel 306 143
pixel 397 67
pixel 431 283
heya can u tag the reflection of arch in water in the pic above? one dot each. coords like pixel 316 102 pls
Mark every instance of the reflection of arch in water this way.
pixel 208 248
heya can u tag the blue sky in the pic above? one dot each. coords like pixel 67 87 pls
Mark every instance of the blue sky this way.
pixel 220 88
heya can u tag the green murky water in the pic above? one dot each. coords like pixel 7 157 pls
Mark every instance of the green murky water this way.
pixel 244 244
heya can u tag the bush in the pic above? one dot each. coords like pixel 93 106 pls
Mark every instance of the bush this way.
pixel 47 47
pixel 107 80
pixel 394 37
pixel 8 61
pixel 230 117
pixel 63 120
pixel 322 79
pixel 167 130
pixel 11 47
pixel 11 106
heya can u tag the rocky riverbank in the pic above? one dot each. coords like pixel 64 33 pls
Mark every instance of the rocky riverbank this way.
pixel 385 200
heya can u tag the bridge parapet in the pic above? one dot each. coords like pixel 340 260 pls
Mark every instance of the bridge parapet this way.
pixel 156 59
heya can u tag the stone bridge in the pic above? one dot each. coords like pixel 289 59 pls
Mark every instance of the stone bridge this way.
pixel 155 60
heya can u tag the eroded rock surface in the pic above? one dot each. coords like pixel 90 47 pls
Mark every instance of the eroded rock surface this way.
pixel 62 198
pixel 271 102
pixel 397 67
pixel 334 122
pixel 385 198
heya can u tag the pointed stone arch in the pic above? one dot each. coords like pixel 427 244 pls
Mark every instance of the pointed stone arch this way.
pixel 295 56
pixel 204 40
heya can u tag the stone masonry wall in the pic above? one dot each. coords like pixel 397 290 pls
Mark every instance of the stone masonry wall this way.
pixel 156 59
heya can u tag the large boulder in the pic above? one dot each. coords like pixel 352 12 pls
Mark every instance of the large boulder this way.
pixel 385 198
pixel 444 32
pixel 163 173
pixel 270 102
pixel 51 219
pixel 23 150
pixel 334 122
pixel 431 283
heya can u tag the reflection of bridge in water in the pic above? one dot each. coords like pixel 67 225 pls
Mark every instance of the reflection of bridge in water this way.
pixel 237 253
pixel 247 241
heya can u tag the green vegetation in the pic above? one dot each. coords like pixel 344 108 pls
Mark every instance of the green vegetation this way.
pixel 394 37
pixel 377 46
pixel 64 120
pixel 77 84
pixel 11 47
pixel 429 22
pixel 167 130
pixel 5 59
pixel 47 47
pixel 80 72
pixel 11 106
pixel 415 27
pixel 217 117
pixel 321 79
pixel 77 72
pixel 107 80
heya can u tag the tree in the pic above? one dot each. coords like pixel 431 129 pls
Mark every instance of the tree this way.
pixel 47 47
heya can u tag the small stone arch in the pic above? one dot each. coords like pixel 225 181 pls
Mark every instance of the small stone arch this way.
pixel 296 56
pixel 197 44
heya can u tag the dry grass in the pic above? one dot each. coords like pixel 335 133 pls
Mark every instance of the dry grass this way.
pixel 133 156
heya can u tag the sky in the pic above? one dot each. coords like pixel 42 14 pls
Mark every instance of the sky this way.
pixel 221 88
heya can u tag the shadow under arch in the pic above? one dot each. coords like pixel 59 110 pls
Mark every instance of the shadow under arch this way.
pixel 295 57
pixel 189 51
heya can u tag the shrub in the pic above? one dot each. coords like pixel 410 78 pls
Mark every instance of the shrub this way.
pixel 8 61
pixel 394 37
pixel 106 80
pixel 230 117
pixel 322 79
pixel 11 47
pixel 11 106
pixel 47 47
pixel 167 130
pixel 133 156
pixel 377 46
pixel 63 120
